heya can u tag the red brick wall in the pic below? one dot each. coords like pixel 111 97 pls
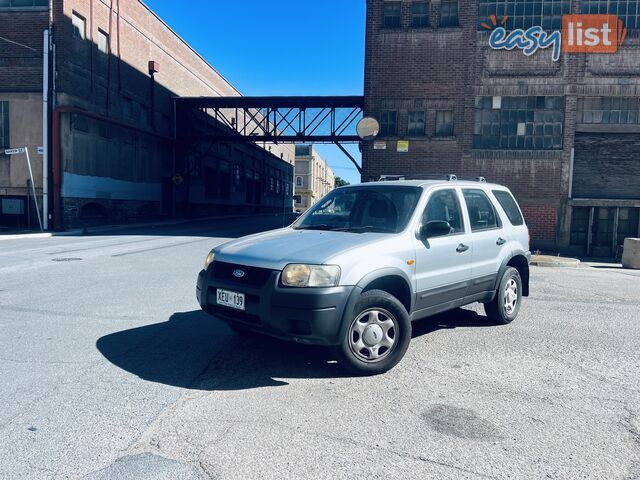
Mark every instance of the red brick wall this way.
pixel 542 222
pixel 20 67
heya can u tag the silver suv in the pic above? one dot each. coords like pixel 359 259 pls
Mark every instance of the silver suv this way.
pixel 356 269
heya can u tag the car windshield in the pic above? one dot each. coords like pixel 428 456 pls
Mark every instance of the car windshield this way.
pixel 362 209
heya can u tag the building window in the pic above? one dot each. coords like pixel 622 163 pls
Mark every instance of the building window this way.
pixel 23 3
pixel 127 108
pixel 238 177
pixel 79 26
pixel 103 42
pixel 303 150
pixel 392 14
pixel 4 125
pixel 523 13
pixel 609 110
pixel 298 181
pixel 388 123
pixel 416 124
pixel 627 10
pixel 521 123
pixel 449 13
pixel 419 14
pixel 211 188
pixel 80 123
pixel 145 115
pixel 444 123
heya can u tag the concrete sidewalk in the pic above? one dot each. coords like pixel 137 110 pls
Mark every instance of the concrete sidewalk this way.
pixel 555 261
pixel 130 226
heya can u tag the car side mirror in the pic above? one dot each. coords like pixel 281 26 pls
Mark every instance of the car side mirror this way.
pixel 435 228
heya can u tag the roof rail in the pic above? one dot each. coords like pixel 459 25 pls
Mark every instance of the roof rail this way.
pixel 473 179
pixel 395 178
pixel 449 178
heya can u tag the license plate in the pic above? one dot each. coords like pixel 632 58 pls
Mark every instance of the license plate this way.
pixel 230 299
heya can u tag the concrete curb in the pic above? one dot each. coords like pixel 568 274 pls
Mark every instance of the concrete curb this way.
pixel 555 262
pixel 130 226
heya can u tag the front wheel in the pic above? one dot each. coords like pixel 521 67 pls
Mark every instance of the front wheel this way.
pixel 378 335
pixel 506 304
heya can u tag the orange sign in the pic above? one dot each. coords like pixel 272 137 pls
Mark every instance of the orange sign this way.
pixel 592 33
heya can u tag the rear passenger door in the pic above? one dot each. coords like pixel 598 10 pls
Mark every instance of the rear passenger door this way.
pixel 489 240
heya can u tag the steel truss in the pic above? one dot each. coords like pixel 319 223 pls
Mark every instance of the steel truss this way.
pixel 276 119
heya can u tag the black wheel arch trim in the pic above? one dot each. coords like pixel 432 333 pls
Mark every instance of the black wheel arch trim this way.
pixel 362 285
pixel 371 277
pixel 525 278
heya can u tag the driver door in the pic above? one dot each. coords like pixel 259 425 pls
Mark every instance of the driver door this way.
pixel 443 264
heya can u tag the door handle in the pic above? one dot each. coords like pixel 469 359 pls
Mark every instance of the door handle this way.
pixel 501 241
pixel 462 248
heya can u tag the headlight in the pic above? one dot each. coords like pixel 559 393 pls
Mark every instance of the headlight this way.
pixel 297 275
pixel 209 260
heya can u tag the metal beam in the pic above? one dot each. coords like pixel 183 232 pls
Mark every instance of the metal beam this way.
pixel 271 102
pixel 231 137
pixel 273 119
pixel 353 160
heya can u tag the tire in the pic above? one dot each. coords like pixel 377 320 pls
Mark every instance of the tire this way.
pixel 502 310
pixel 377 336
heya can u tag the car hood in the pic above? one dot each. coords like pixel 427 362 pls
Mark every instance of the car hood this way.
pixel 278 248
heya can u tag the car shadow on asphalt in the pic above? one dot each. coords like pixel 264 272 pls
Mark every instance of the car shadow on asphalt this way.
pixel 194 351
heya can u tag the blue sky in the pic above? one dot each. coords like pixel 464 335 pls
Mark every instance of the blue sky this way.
pixel 283 47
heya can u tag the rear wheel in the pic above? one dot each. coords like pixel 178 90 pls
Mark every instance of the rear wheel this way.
pixel 378 335
pixel 506 304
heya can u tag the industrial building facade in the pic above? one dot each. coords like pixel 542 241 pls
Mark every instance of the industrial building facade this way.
pixel 559 125
pixel 110 78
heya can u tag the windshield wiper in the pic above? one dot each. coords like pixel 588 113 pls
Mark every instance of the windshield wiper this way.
pixel 322 226
pixel 365 228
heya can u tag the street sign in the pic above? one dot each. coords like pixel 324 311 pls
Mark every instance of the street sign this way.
pixel 14 151
pixel 403 146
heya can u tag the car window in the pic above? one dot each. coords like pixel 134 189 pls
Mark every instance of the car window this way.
pixel 482 215
pixel 510 207
pixel 362 209
pixel 444 205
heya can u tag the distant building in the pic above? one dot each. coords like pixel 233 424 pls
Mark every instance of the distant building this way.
pixel 114 71
pixel 313 178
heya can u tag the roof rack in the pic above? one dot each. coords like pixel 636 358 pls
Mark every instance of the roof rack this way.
pixel 392 178
pixel 448 178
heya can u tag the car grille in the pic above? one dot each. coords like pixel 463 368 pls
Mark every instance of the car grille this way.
pixel 253 276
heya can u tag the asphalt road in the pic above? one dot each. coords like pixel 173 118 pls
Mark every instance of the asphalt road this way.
pixel 108 370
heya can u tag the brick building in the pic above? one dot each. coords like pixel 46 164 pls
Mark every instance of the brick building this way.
pixel 114 71
pixel 563 135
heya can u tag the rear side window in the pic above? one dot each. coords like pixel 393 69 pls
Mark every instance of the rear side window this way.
pixel 510 207
pixel 482 215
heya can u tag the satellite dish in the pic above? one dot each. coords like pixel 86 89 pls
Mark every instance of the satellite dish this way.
pixel 368 128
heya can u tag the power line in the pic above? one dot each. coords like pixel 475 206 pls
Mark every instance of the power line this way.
pixel 19 44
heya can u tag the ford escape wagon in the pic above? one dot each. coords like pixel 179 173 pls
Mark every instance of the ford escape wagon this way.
pixel 357 268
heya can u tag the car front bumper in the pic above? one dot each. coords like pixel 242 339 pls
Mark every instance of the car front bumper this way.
pixel 305 315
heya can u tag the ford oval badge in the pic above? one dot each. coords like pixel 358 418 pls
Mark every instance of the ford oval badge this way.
pixel 238 273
